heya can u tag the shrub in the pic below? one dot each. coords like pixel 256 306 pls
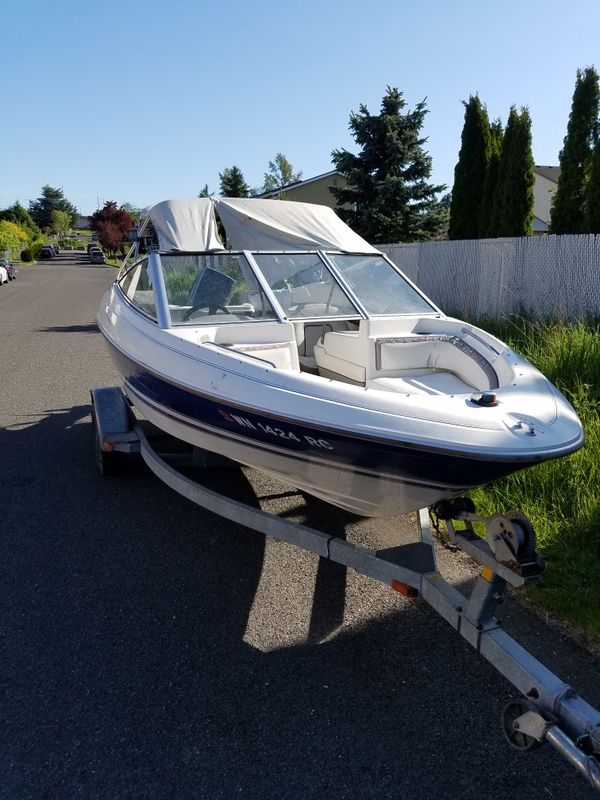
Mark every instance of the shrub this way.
pixel 26 255
pixel 36 246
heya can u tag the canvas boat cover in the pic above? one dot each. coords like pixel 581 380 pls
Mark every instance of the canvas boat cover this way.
pixel 186 225
pixel 256 224
pixel 251 224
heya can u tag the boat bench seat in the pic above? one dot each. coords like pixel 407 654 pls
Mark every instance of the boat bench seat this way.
pixel 423 381
pixel 436 363
pixel 448 354
pixel 338 355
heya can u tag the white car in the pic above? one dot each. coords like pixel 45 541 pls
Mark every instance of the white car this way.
pixel 3 275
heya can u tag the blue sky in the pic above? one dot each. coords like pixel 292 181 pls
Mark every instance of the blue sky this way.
pixel 139 101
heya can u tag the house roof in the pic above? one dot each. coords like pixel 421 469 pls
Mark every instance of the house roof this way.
pixel 329 174
pixel 550 173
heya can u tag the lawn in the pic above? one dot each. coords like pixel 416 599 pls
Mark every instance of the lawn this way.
pixel 562 497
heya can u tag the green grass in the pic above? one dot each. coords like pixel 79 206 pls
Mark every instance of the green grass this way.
pixel 178 283
pixel 561 497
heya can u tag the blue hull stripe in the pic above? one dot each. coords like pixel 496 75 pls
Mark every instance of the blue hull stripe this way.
pixel 299 456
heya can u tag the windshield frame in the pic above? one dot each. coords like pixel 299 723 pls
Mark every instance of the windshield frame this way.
pixel 162 304
pixel 357 313
pixel 433 309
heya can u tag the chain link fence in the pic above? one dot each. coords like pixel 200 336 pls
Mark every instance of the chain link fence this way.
pixel 542 277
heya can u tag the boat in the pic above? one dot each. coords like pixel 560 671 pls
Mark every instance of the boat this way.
pixel 271 333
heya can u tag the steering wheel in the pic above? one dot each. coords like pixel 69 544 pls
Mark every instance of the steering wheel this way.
pixel 200 306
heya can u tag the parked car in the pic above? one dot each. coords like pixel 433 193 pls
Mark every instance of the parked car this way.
pixel 55 248
pixel 10 268
pixel 96 256
pixel 47 252
pixel 3 275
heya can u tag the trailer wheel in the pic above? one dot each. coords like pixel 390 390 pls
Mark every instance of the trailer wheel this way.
pixel 516 738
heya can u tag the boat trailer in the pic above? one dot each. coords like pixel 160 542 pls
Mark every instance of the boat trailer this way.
pixel 549 709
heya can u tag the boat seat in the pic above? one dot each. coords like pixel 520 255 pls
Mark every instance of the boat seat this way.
pixel 423 381
pixel 448 354
pixel 338 356
pixel 307 336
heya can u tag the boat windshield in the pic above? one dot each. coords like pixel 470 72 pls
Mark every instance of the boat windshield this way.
pixel 304 286
pixel 213 288
pixel 379 286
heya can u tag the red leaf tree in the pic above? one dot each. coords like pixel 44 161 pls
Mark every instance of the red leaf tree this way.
pixel 112 224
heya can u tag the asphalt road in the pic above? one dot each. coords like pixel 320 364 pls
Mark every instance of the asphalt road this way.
pixel 150 650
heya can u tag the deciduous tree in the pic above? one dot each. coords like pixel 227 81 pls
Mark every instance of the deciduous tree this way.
pixel 112 224
pixel 280 174
pixel 470 172
pixel 388 197
pixel 568 213
pixel 12 237
pixel 20 216
pixel 133 211
pixel 60 222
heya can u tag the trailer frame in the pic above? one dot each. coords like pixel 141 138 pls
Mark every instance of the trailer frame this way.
pixel 549 710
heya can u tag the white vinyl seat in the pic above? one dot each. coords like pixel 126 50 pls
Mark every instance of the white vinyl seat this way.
pixel 339 355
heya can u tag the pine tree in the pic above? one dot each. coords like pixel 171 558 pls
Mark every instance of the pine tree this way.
pixel 490 186
pixel 233 183
pixel 388 198
pixel 567 215
pixel 513 209
pixel 592 195
pixel 470 172
pixel 51 200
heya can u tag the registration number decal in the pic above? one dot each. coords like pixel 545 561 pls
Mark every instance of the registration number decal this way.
pixel 276 432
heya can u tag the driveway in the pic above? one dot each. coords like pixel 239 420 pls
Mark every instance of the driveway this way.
pixel 151 650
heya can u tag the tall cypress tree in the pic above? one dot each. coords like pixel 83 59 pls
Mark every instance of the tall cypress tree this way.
pixel 233 183
pixel 518 179
pixel 592 195
pixel 567 214
pixel 470 172
pixel 499 224
pixel 490 186
pixel 388 197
